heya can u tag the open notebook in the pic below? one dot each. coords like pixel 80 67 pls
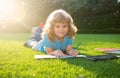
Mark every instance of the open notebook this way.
pixel 51 56
pixel 109 50
pixel 94 58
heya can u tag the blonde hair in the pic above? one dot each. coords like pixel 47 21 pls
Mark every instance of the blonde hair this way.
pixel 59 16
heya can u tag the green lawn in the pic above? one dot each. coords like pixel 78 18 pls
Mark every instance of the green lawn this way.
pixel 17 61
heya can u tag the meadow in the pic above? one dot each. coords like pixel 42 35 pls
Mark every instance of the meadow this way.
pixel 17 61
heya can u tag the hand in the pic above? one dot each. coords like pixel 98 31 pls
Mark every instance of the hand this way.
pixel 58 53
pixel 73 52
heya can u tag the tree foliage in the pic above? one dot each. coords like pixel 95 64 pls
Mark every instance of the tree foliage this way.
pixel 94 16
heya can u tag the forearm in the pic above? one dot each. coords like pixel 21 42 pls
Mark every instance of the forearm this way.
pixel 51 53
pixel 68 49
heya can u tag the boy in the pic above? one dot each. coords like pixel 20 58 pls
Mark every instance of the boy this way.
pixel 35 37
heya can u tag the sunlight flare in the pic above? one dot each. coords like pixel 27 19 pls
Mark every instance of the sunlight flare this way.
pixel 8 9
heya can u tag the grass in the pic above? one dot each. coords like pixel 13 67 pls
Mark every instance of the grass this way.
pixel 17 61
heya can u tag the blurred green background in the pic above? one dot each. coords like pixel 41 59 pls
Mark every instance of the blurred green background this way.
pixel 90 16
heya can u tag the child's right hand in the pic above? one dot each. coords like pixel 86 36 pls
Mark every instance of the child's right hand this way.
pixel 73 52
pixel 58 53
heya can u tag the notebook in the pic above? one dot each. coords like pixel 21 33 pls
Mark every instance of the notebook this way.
pixel 109 50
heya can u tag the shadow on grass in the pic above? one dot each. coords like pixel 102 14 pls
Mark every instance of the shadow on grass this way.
pixel 102 68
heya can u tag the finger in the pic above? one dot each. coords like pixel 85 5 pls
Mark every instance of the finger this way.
pixel 63 55
pixel 75 51
pixel 57 55
pixel 60 54
pixel 74 54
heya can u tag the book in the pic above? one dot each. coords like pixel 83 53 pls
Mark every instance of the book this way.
pixel 109 50
pixel 51 56
pixel 93 58
pixel 102 57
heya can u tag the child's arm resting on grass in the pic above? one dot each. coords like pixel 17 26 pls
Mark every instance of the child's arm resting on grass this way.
pixel 57 53
pixel 71 51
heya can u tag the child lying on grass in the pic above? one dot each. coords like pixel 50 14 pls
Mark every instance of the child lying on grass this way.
pixel 58 34
pixel 35 37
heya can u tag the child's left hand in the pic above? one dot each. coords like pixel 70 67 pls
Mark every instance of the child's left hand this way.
pixel 73 52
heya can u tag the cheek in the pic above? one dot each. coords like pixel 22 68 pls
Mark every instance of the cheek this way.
pixel 55 30
pixel 66 29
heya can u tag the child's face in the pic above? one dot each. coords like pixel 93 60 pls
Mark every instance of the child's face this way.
pixel 60 29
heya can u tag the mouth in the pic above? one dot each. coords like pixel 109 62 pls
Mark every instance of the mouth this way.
pixel 61 32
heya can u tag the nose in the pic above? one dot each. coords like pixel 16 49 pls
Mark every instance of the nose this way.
pixel 61 29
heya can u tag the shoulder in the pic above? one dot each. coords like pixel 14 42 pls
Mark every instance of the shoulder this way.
pixel 45 37
pixel 45 41
pixel 68 38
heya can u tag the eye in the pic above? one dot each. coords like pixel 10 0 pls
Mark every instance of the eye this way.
pixel 65 26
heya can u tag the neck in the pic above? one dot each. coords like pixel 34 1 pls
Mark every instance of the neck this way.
pixel 61 39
